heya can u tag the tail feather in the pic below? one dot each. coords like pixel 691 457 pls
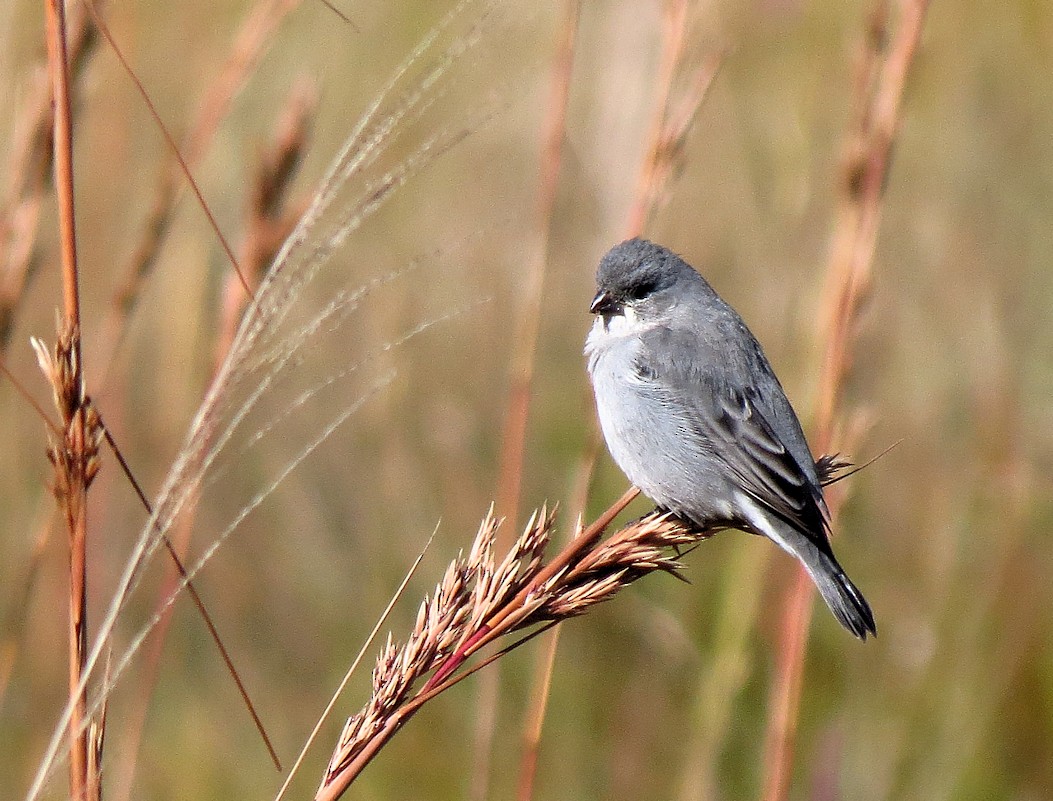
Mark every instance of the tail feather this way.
pixel 841 595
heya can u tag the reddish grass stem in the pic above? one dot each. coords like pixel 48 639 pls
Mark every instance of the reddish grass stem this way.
pixel 74 483
pixel 674 115
pixel 63 162
pixel 525 347
pixel 29 168
pixel 524 355
pixel 268 222
pixel 195 597
pixel 173 146
pixel 848 276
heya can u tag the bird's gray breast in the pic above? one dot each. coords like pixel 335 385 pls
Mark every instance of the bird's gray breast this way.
pixel 649 433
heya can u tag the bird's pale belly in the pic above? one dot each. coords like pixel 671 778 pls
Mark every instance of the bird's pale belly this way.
pixel 655 447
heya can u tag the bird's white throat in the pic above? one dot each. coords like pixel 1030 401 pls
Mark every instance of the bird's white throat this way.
pixel 606 330
pixel 621 325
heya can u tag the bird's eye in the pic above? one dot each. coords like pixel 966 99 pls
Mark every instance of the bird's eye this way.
pixel 642 289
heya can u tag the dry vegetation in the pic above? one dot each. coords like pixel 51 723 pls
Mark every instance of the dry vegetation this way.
pixel 871 187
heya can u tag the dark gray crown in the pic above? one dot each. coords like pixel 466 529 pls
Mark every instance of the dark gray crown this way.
pixel 637 268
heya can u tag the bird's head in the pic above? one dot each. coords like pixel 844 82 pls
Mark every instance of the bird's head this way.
pixel 640 281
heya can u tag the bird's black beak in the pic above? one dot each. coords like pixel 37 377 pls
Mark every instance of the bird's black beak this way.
pixel 604 304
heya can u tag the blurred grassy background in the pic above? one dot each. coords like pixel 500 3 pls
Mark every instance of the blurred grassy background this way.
pixel 664 692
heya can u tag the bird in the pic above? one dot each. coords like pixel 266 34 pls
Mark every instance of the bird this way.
pixel 695 417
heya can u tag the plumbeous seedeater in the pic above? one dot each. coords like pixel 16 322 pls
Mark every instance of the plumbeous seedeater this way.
pixel 695 417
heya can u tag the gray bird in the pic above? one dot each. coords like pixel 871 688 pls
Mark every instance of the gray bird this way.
pixel 695 417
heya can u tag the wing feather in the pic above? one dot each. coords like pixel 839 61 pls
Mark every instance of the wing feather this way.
pixel 728 416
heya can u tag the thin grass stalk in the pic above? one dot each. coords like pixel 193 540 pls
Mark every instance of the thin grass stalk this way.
pixel 545 666
pixel 171 142
pixel 58 66
pixel 673 115
pixel 674 28
pixel 524 354
pixel 722 677
pixel 72 461
pixel 251 41
pixel 544 669
pixel 395 596
pixel 672 121
pixel 271 216
pixel 848 274
pixel 29 173
pixel 267 224
pixel 673 118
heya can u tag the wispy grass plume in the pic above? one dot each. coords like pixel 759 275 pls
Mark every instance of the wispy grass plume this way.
pixel 264 347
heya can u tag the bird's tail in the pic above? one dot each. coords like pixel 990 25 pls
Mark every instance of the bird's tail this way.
pixel 841 595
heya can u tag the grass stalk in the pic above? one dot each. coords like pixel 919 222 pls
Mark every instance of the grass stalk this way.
pixel 525 348
pixel 848 276
pixel 29 171
pixel 172 144
pixel 251 41
pixel 672 121
pixel 71 457
pixel 524 355
pixel 674 115
pixel 268 222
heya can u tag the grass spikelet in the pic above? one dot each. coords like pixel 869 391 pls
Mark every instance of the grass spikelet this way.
pixel 480 601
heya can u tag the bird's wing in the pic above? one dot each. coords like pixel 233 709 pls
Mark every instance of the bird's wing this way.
pixel 727 415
